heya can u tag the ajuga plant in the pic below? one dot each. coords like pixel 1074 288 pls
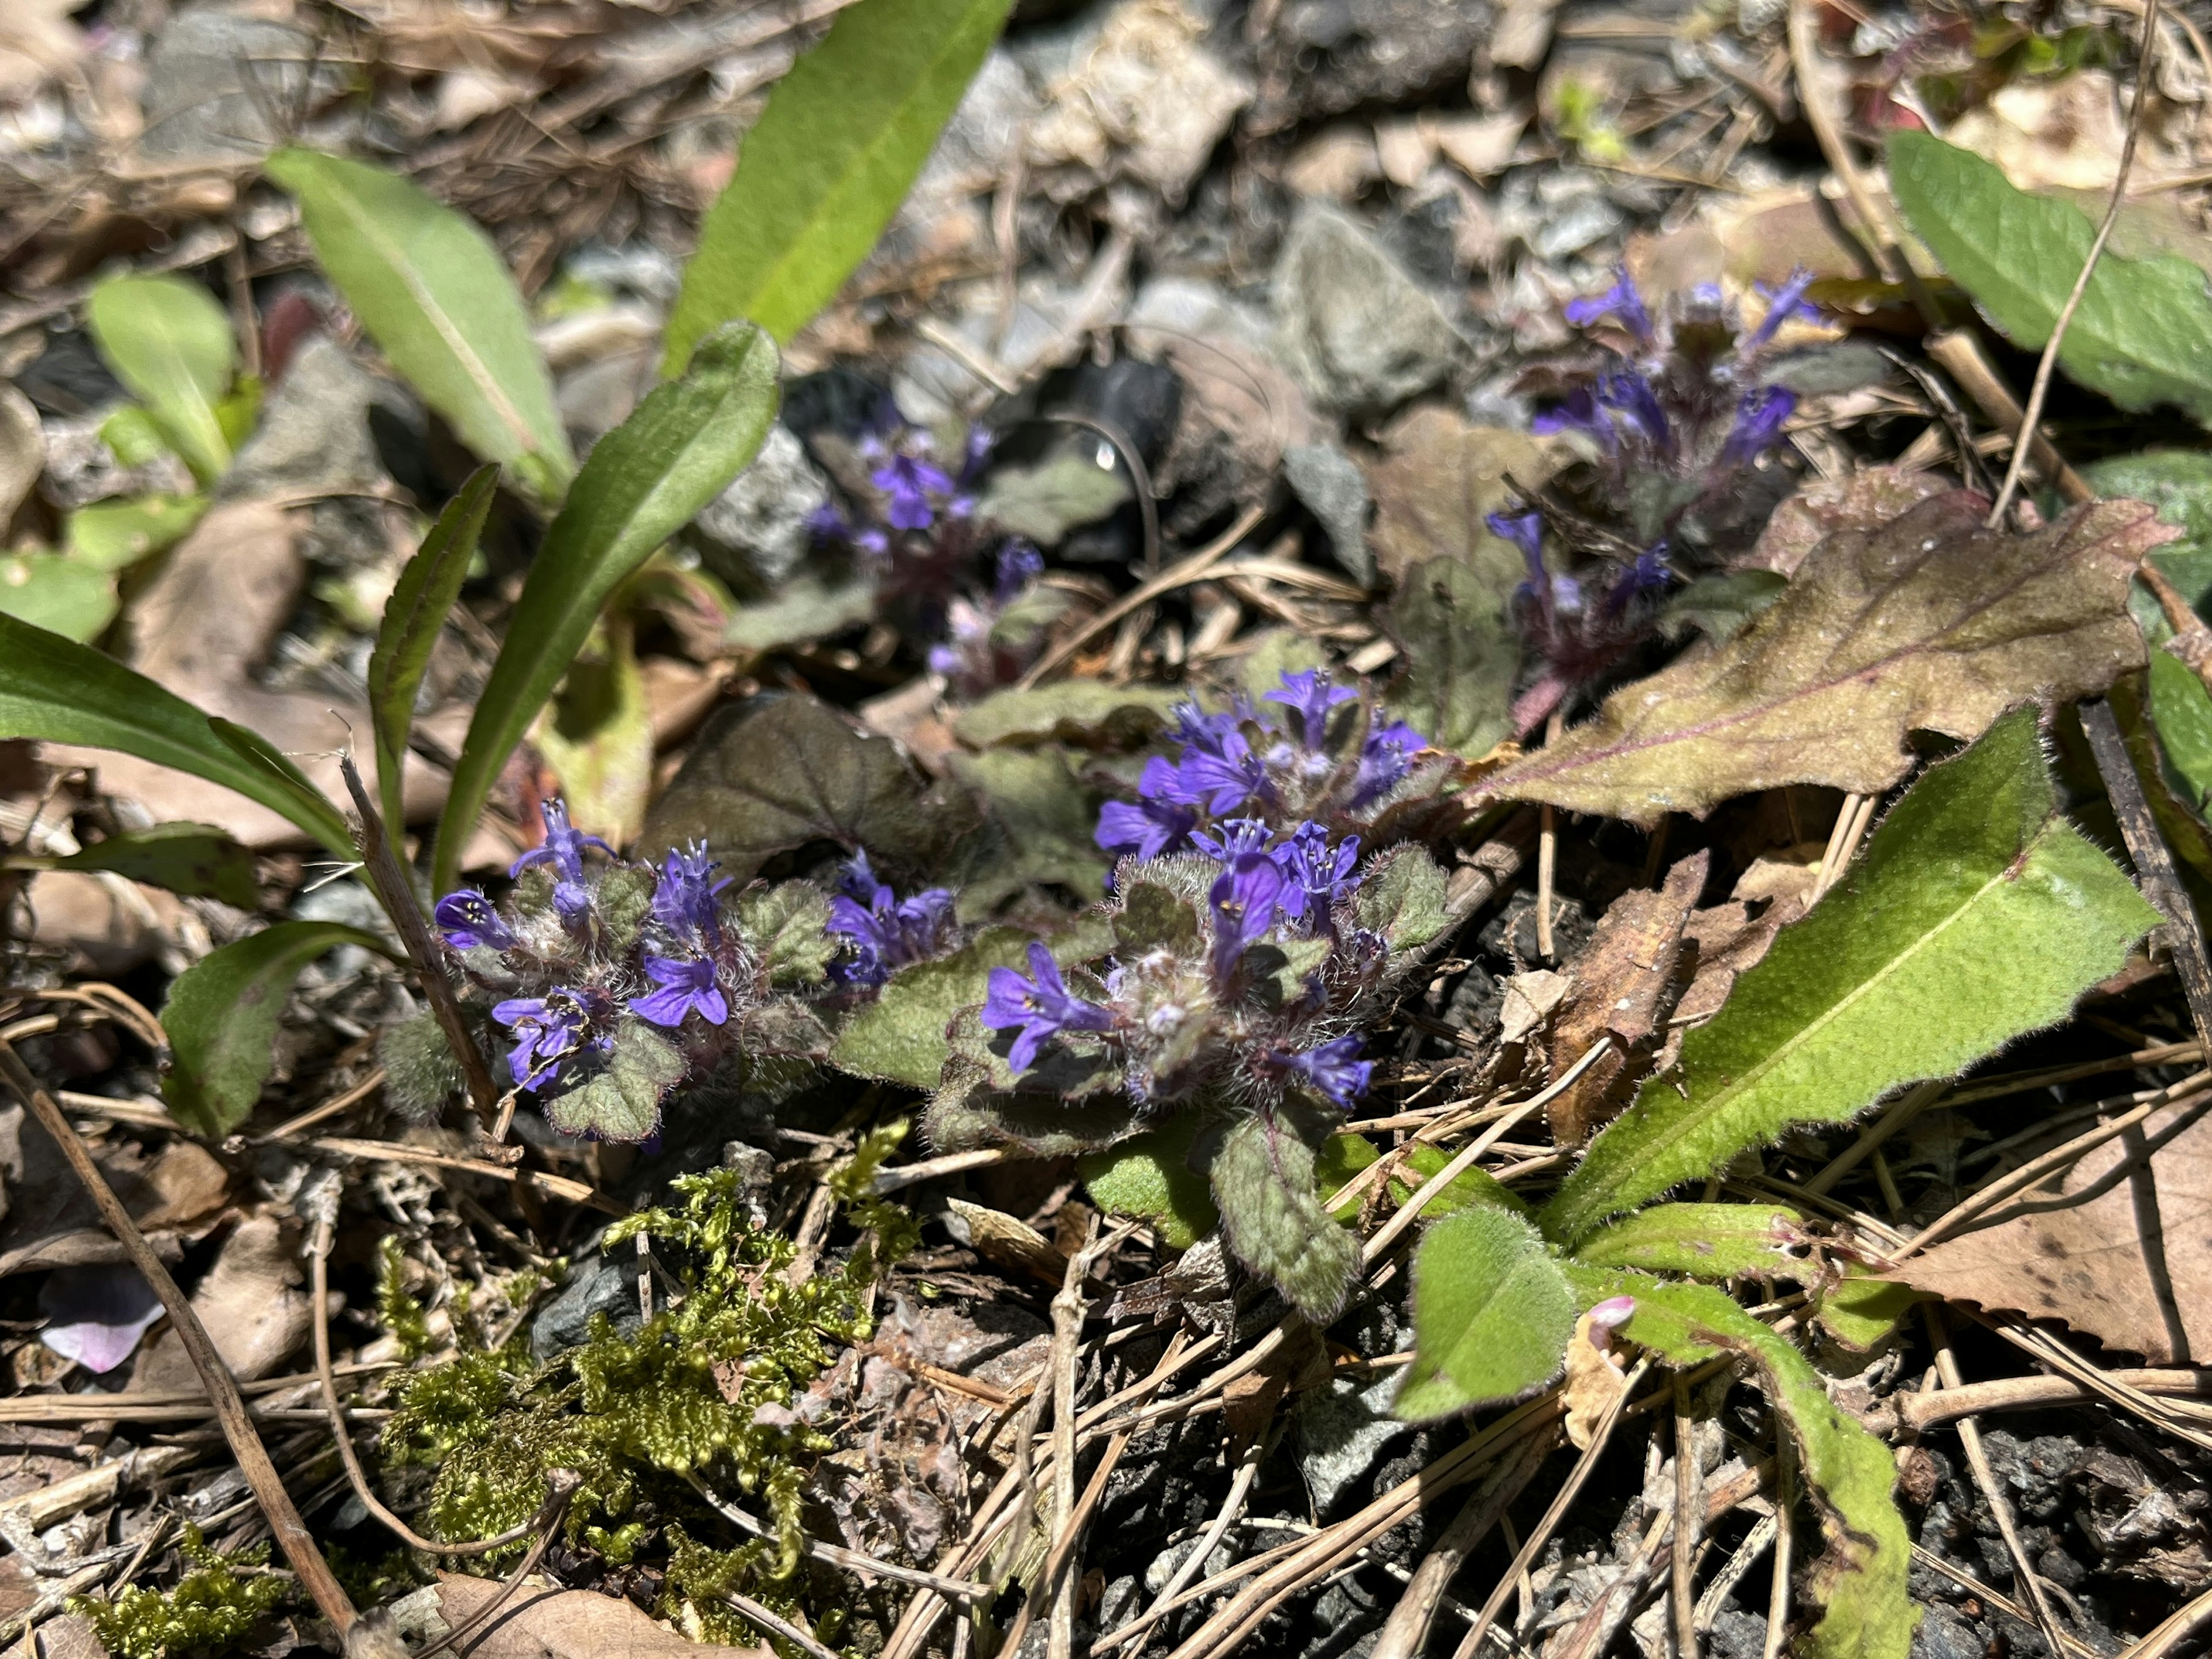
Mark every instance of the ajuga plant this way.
pixel 701 1395
pixel 1975 914
pixel 1672 420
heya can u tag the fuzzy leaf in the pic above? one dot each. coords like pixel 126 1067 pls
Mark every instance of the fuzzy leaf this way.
pixel 1460 657
pixel 769 775
pixel 787 926
pixel 1470 1186
pixel 1705 1241
pixel 621 1100
pixel 1492 1313
pixel 1976 914
pixel 1859 1311
pixel 433 293
pixel 1927 622
pixel 1077 1105
pixel 186 858
pixel 1272 1218
pixel 2178 484
pixel 1150 1176
pixel 2142 335
pixel 2182 712
pixel 1089 714
pixel 643 482
pixel 59 691
pixel 1153 918
pixel 1044 815
pixel 115 535
pixel 222 1019
pixel 828 163
pixel 1402 897
pixel 1860 1583
pixel 171 345
pixel 414 617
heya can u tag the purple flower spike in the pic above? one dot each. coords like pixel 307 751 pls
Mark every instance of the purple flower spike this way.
pixel 686 985
pixel 1333 1070
pixel 1019 564
pixel 1632 395
pixel 1385 757
pixel 1526 531
pixel 1149 828
pixel 885 932
pixel 1222 780
pixel 1759 419
pixel 1621 301
pixel 1238 836
pixel 467 919
pixel 1649 575
pixel 547 1030
pixel 1310 697
pixel 1782 304
pixel 1242 902
pixel 911 482
pixel 1315 874
pixel 684 901
pixel 1578 412
pixel 1041 1005
pixel 563 847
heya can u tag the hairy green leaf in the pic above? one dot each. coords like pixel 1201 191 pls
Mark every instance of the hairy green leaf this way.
pixel 1460 657
pixel 1471 1186
pixel 114 535
pixel 1273 1220
pixel 2143 334
pixel 222 1019
pixel 2178 484
pixel 185 858
pixel 414 617
pixel 643 482
pixel 59 691
pixel 433 293
pixel 1860 1584
pixel 1402 896
pixel 787 926
pixel 1976 914
pixel 2182 712
pixel 1150 1176
pixel 1045 814
pixel 1706 1240
pixel 1492 1312
pixel 1089 714
pixel 622 1101
pixel 1860 1311
pixel 828 163
pixel 171 345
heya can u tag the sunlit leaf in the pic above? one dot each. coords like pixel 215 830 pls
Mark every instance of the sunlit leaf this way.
pixel 1705 1241
pixel 1273 1220
pixel 2182 712
pixel 1492 1313
pixel 54 592
pixel 1150 1176
pixel 171 345
pixel 192 859
pixel 114 535
pixel 597 735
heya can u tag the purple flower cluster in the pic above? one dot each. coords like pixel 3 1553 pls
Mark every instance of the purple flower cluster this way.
pixel 1317 759
pixel 882 931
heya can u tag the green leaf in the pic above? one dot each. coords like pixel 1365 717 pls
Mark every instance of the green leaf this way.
pixel 788 927
pixel 222 1019
pixel 1470 1186
pixel 597 735
pixel 171 345
pixel 1340 1158
pixel 62 595
pixel 2142 335
pixel 1460 657
pixel 1859 1311
pixel 1860 1584
pixel 1705 1241
pixel 901 1035
pixel 1045 501
pixel 828 162
pixel 1273 1220
pixel 622 1101
pixel 59 691
pixel 1087 713
pixel 1492 1314
pixel 1046 815
pixel 1401 896
pixel 1150 1176
pixel 185 858
pixel 413 618
pixel 130 432
pixel 643 482
pixel 114 535
pixel 1720 605
pixel 2178 484
pixel 2182 712
pixel 1976 914
pixel 435 297
pixel 805 608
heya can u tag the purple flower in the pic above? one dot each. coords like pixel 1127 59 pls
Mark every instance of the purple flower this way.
pixel 547 1030
pixel 1242 901
pixel 1759 418
pixel 1149 828
pixel 1316 875
pixel 95 1316
pixel 1526 531
pixel 1019 564
pixel 1041 1005
pixel 1628 392
pixel 683 899
pixel 1385 757
pixel 1238 836
pixel 1649 573
pixel 885 931
pixel 911 482
pixel 828 524
pixel 1782 303
pixel 1577 412
pixel 1209 733
pixel 1222 780
pixel 1310 697
pixel 467 919
pixel 1333 1070
pixel 563 848
pixel 1621 301
pixel 686 984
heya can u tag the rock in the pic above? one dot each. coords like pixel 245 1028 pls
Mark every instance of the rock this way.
pixel 109 924
pixel 1342 1430
pixel 595 1286
pixel 755 530
pixel 1327 57
pixel 1738 1635
pixel 1333 490
pixel 221 85
pixel 313 436
pixel 1359 332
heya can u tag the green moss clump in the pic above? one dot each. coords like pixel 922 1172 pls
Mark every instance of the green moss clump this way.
pixel 399 1313
pixel 211 1611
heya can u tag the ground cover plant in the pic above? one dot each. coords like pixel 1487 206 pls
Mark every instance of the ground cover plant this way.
pixel 928 831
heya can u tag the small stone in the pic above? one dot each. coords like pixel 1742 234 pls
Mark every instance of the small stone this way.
pixel 1359 332
pixel 1335 491
pixel 758 524
pixel 313 436
pixel 1342 1430
pixel 219 83
pixel 595 1286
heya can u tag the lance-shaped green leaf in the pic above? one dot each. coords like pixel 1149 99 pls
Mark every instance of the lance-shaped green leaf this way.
pixel 222 1019
pixel 1492 1312
pixel 56 690
pixel 828 163
pixel 2143 334
pixel 171 345
pixel 1705 1241
pixel 1859 1584
pixel 644 482
pixel 186 858
pixel 435 297
pixel 1273 1219
pixel 1976 914
pixel 413 618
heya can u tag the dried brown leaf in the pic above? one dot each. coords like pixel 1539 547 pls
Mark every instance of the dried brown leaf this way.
pixel 1440 474
pixel 1930 623
pixel 252 1305
pixel 2120 1246
pixel 550 1624
pixel 1861 500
